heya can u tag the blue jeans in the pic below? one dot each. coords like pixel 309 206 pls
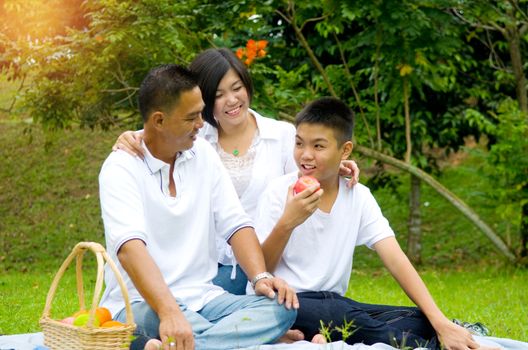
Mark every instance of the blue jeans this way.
pixel 398 326
pixel 223 279
pixel 226 322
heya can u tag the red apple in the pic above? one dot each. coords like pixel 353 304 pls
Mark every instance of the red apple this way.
pixel 305 181
pixel 68 320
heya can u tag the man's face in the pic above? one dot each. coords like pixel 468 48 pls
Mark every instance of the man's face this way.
pixel 182 123
pixel 317 152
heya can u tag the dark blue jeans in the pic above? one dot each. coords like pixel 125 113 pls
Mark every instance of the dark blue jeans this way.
pixel 394 325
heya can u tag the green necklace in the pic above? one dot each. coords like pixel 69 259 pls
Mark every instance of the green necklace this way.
pixel 236 152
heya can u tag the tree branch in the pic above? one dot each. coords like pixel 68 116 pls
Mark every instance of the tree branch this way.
pixel 10 109
pixel 312 20
pixel 351 82
pixel 523 29
pixel 444 192
pixel 134 89
pixel 283 16
pixel 493 25
pixel 515 5
pixel 306 46
pixel 494 57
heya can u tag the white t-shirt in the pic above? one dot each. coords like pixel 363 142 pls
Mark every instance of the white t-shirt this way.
pixel 273 158
pixel 319 254
pixel 180 231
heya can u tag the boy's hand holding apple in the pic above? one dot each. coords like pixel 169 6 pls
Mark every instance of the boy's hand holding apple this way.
pixel 302 201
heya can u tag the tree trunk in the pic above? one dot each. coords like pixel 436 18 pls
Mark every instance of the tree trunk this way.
pixel 524 231
pixel 376 92
pixel 408 143
pixel 514 43
pixel 414 237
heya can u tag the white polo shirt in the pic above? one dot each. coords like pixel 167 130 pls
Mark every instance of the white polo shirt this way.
pixel 274 158
pixel 180 231
pixel 319 254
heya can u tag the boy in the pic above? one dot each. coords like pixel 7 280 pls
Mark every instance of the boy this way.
pixel 308 239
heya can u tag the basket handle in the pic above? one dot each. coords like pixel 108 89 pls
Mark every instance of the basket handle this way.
pixel 101 256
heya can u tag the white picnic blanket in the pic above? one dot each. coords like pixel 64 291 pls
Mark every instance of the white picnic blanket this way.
pixel 30 341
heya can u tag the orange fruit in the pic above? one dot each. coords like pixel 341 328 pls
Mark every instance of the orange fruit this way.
pixel 103 314
pixel 112 323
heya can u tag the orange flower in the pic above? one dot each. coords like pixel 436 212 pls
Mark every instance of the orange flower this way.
pixel 240 53
pixel 261 44
pixel 253 49
pixel 251 45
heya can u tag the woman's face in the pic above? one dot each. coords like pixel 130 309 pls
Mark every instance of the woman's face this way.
pixel 232 100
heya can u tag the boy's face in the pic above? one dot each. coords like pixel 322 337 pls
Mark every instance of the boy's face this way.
pixel 317 152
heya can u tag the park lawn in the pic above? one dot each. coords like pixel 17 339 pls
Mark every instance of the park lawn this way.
pixel 496 298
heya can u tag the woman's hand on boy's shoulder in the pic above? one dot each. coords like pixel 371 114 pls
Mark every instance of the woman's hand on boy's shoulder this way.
pixel 349 169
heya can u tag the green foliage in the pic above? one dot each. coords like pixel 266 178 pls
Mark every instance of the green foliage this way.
pixel 90 76
pixel 507 162
pixel 367 51
pixel 342 332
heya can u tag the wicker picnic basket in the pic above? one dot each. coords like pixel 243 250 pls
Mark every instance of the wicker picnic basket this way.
pixel 62 336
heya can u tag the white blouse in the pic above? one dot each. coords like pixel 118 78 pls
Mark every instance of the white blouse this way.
pixel 240 168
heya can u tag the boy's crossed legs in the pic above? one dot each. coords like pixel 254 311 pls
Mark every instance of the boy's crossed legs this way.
pixel 393 325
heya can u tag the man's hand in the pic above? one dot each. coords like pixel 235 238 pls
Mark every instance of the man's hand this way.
pixel 350 169
pixel 176 332
pixel 286 294
pixel 300 206
pixel 130 142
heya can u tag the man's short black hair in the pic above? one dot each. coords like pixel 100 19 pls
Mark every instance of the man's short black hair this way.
pixel 162 87
pixel 330 112
pixel 210 66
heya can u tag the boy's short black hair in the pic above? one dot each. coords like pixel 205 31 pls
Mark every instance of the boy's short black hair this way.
pixel 330 112
pixel 210 66
pixel 162 87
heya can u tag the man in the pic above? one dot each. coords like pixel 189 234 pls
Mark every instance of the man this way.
pixel 161 216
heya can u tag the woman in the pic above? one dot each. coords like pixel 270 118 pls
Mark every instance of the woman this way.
pixel 253 148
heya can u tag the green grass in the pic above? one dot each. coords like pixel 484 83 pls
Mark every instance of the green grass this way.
pixel 24 297
pixel 49 202
pixel 48 194
pixel 496 297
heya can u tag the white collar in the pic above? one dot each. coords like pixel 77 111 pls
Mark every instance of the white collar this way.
pixel 154 164
pixel 266 127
